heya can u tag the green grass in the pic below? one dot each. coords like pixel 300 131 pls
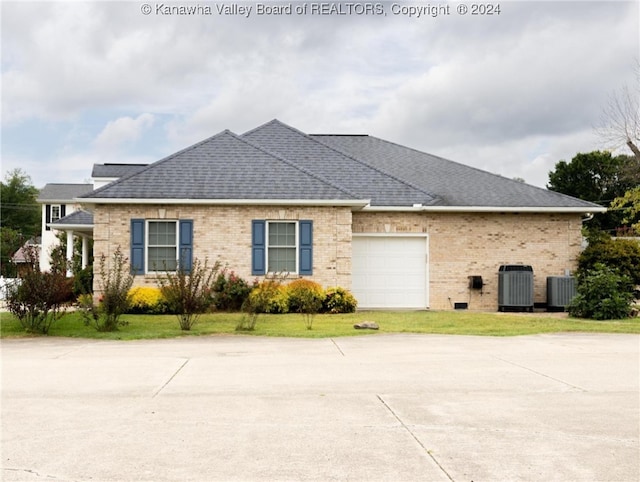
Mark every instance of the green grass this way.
pixel 292 325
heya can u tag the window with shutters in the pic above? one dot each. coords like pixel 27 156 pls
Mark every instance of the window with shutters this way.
pixel 55 212
pixel 161 245
pixel 282 246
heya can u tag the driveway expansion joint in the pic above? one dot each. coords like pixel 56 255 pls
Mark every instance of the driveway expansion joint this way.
pixel 171 378
pixel 576 387
pixel 415 437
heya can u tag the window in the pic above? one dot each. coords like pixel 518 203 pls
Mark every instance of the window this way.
pixel 282 246
pixel 55 213
pixel 159 245
pixel 162 249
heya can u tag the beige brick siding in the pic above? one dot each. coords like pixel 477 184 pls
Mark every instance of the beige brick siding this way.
pixel 460 245
pixel 223 233
pixel 467 244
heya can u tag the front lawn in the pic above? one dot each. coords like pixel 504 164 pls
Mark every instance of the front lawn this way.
pixel 292 325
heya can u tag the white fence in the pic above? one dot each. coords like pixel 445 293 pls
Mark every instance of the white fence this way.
pixel 6 283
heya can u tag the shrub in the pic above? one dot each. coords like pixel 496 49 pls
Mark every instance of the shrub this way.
pixel 83 281
pixel 621 254
pixel 266 297
pixel 37 299
pixel 305 297
pixel 188 293
pixel 602 294
pixel 147 300
pixel 229 291
pixel 114 286
pixel 338 300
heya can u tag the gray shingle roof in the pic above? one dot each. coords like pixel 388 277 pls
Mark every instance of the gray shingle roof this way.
pixel 115 170
pixel 76 218
pixel 277 162
pixel 63 192
pixel 368 182
pixel 455 184
pixel 224 166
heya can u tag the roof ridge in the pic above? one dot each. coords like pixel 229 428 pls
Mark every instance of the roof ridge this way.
pixel 435 197
pixel 289 162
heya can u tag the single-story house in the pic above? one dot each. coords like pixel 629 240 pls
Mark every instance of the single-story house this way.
pixel 398 227
pixel 27 253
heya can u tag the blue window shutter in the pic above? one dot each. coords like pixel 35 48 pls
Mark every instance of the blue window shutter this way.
pixel 186 245
pixel 306 247
pixel 63 210
pixel 258 247
pixel 137 246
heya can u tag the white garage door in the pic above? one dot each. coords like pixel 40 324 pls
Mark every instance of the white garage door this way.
pixel 390 271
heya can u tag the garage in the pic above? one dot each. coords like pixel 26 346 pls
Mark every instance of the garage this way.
pixel 390 271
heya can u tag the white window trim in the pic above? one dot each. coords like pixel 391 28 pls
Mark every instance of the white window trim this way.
pixel 51 218
pixel 296 246
pixel 147 245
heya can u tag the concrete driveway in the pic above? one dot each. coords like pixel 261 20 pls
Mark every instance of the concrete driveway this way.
pixel 383 407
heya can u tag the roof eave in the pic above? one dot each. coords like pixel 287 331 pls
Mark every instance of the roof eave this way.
pixel 56 200
pixel 491 209
pixel 353 203
pixel 70 227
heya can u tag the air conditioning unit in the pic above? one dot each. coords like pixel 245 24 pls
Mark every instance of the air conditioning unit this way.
pixel 515 287
pixel 560 291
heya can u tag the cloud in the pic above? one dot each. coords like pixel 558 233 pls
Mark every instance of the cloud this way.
pixel 122 131
pixel 507 93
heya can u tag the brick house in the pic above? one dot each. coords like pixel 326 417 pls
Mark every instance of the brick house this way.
pixel 398 227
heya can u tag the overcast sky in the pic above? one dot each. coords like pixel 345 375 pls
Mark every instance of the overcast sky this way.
pixel 511 93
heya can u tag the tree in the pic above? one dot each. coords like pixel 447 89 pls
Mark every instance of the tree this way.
pixel 620 120
pixel 629 205
pixel 598 177
pixel 20 216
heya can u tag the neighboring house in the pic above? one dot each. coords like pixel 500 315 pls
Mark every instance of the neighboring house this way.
pixel 28 252
pixel 104 174
pixel 398 227
pixel 57 202
pixel 62 213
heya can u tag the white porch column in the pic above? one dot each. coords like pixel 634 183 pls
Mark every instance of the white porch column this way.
pixel 85 252
pixel 69 252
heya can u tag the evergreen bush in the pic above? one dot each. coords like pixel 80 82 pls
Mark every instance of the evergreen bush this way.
pixel 602 294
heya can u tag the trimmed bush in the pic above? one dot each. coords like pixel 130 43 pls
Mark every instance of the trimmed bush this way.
pixel 338 300
pixel 267 297
pixel 305 297
pixel 147 300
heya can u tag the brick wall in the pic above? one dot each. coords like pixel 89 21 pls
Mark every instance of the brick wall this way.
pixel 467 244
pixel 223 233
pixel 460 245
